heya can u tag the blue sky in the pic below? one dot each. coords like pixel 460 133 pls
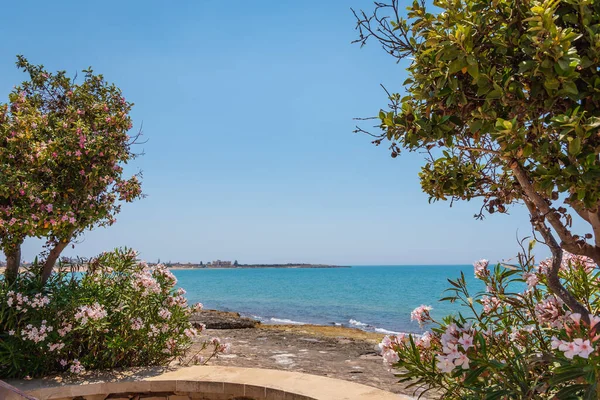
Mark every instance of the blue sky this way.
pixel 248 111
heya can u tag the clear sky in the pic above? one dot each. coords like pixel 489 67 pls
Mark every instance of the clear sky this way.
pixel 248 110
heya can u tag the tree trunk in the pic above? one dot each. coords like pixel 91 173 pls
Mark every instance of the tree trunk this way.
pixel 13 262
pixel 554 282
pixel 51 260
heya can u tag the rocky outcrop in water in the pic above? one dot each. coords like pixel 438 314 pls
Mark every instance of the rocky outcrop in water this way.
pixel 214 319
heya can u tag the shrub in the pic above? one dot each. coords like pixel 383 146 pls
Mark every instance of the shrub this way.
pixel 517 340
pixel 118 313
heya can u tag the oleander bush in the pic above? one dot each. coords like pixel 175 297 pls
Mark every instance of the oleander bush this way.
pixel 117 312
pixel 516 340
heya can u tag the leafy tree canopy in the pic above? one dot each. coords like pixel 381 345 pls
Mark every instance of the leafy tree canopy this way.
pixel 503 98
pixel 62 149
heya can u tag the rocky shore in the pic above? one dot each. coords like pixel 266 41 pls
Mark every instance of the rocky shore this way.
pixel 337 352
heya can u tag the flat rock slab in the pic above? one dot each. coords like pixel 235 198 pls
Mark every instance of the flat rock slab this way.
pixel 214 319
pixel 286 348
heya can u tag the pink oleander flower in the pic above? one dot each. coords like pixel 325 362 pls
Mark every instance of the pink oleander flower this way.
pixel 154 331
pixel 575 317
pixel 66 328
pixel 481 269
pixel 490 303
pixel 570 349
pixel 424 341
pixel 466 341
pixel 56 346
pixel 444 364
pixel 63 362
pixel 556 342
pixel 136 324
pixel 197 307
pixel 190 333
pixel 164 313
pixel 550 311
pixel 462 361
pixel 390 357
pixel 39 301
pixel 93 312
pixel 572 261
pixel 171 346
pixel 36 334
pixel 145 282
pixel 584 347
pixel 421 314
pixel 545 266
pixel 531 279
pixel 76 367
pixel 225 348
pixel 594 319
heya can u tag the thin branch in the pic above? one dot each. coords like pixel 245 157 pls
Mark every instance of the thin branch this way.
pixel 554 283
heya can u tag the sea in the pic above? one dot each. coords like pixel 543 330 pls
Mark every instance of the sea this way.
pixel 372 298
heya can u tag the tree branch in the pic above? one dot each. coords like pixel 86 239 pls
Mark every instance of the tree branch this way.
pixel 52 257
pixel 568 241
pixel 554 283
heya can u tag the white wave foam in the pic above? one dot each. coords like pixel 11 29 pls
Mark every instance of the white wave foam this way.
pixel 381 330
pixel 357 323
pixel 338 324
pixel 286 321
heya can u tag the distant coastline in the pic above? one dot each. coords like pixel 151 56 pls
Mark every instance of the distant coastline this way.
pixel 179 266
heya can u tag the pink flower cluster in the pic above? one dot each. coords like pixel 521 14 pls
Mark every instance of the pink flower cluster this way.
pixel 481 269
pixel 66 328
pixel 164 313
pixel 93 312
pixel 76 367
pixel 572 261
pixel 145 282
pixel 190 333
pixel 578 347
pixel 137 324
pixel 56 346
pixel 490 303
pixel 35 334
pixel 453 339
pixel 550 311
pixel 421 314
pixel 20 301
pixel 162 271
pixel 389 346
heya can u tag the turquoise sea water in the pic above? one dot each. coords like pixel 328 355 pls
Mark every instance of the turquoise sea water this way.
pixel 375 298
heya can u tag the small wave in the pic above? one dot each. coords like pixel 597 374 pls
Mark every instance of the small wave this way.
pixel 357 323
pixel 337 324
pixel 387 332
pixel 286 321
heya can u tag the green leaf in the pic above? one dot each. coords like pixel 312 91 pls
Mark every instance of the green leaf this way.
pixel 494 94
pixel 575 146
pixel 473 70
pixel 570 87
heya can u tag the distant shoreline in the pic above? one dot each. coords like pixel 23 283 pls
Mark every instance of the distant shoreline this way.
pixel 256 266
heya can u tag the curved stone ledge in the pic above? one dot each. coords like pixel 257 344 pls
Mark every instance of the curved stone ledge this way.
pixel 213 383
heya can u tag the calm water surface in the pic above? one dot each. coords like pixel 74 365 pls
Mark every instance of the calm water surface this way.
pixel 376 298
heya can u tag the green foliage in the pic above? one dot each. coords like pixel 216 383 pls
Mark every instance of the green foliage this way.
pixel 119 313
pixel 514 340
pixel 62 149
pixel 492 85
